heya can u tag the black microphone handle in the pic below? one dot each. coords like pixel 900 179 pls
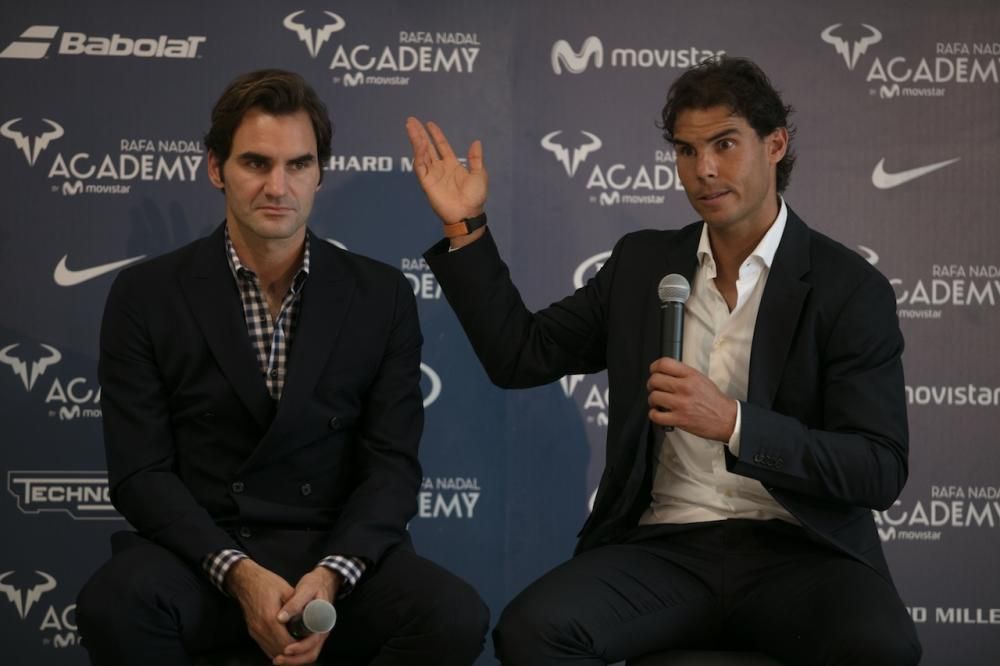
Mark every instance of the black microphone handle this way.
pixel 671 329
pixel 297 628
pixel 671 333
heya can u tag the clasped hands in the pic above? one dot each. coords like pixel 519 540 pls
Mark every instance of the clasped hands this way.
pixel 268 602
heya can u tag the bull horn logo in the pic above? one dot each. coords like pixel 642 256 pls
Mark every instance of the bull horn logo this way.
pixel 314 39
pixel 571 163
pixel 851 52
pixel 23 600
pixel 23 142
pixel 38 367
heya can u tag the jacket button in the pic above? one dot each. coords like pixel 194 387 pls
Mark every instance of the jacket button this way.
pixel 245 532
pixel 335 423
pixel 237 487
pixel 306 489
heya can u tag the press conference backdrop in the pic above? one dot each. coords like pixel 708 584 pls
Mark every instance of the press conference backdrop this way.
pixel 103 108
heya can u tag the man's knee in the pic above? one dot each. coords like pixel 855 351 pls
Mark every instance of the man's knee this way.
pixel 875 644
pixel 460 617
pixel 527 628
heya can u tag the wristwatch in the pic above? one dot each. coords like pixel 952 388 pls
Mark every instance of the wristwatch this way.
pixel 466 226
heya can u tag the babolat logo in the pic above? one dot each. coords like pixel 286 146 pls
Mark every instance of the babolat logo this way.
pixel 67 398
pixel 82 495
pixel 35 42
pixel 592 52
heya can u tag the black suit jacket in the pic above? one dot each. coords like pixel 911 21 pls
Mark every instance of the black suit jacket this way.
pixel 201 458
pixel 824 423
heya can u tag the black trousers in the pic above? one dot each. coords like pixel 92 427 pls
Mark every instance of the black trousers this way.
pixel 146 606
pixel 735 584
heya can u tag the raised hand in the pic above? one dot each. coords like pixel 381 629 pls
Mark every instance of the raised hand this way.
pixel 454 191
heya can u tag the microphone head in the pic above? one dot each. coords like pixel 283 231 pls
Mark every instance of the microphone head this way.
pixel 673 288
pixel 319 616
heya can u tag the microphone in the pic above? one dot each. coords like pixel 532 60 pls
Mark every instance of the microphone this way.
pixel 673 291
pixel 318 617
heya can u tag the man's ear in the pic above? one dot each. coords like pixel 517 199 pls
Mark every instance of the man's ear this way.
pixel 777 144
pixel 215 171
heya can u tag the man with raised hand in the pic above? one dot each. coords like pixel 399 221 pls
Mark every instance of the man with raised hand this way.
pixel 748 523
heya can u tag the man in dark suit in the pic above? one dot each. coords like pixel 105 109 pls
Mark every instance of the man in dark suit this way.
pixel 262 412
pixel 748 524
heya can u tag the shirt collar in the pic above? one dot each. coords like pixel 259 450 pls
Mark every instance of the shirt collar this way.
pixel 238 269
pixel 766 248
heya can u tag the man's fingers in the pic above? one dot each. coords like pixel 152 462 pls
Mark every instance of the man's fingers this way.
pixel 476 157
pixel 441 142
pixel 305 651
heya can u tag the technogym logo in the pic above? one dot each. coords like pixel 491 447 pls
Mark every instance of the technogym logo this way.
pixel 35 42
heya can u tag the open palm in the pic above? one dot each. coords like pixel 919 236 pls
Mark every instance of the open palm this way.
pixel 454 191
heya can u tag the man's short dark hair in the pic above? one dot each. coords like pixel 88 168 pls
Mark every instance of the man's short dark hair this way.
pixel 742 86
pixel 276 92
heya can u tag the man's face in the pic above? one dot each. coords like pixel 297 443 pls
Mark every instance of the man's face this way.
pixel 728 172
pixel 271 176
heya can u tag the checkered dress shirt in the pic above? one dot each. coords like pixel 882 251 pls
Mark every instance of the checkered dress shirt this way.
pixel 272 340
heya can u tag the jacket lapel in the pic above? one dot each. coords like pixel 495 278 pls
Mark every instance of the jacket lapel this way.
pixel 326 300
pixel 214 297
pixel 679 255
pixel 778 316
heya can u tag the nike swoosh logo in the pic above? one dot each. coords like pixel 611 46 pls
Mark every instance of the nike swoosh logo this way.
pixel 884 181
pixel 66 277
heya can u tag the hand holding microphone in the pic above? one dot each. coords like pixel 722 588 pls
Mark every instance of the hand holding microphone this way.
pixel 318 617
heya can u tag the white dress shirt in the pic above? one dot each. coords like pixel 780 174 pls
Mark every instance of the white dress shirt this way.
pixel 691 483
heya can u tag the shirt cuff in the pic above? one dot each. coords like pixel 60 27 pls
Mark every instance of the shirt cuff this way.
pixel 734 441
pixel 350 569
pixel 218 564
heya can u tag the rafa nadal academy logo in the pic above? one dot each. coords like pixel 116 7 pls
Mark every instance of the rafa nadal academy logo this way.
pixel 314 38
pixel 24 599
pixel 853 50
pixel 571 161
pixel 38 366
pixel 31 146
